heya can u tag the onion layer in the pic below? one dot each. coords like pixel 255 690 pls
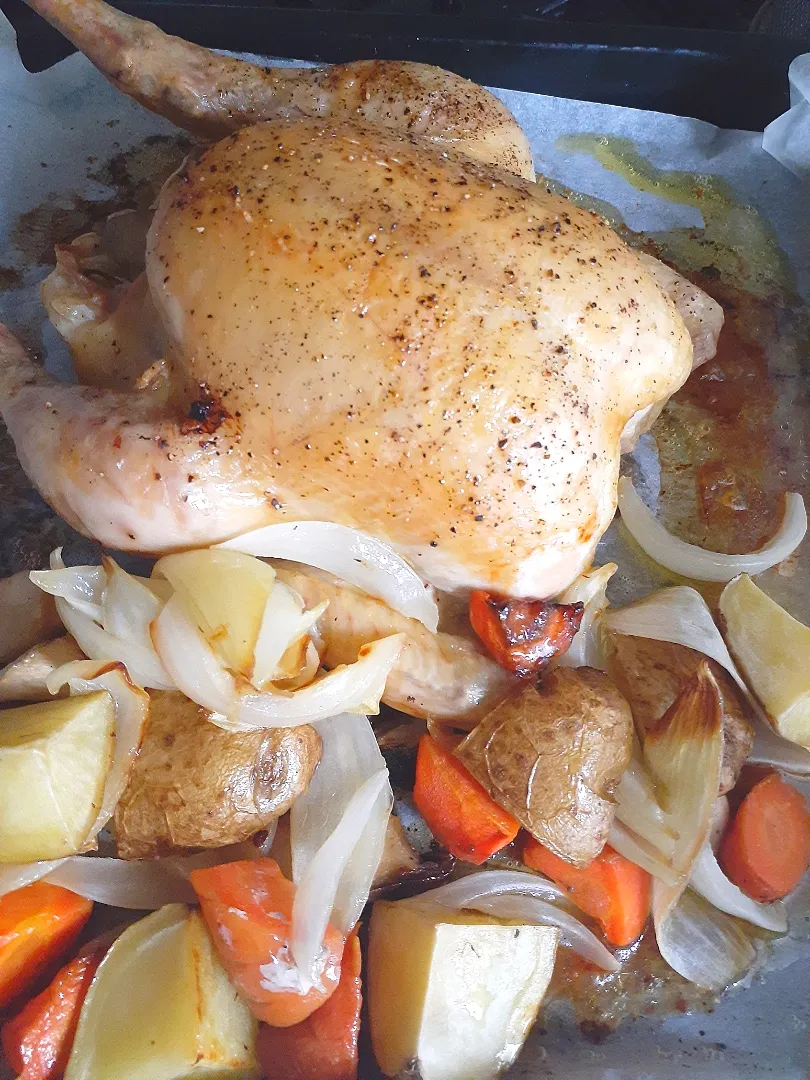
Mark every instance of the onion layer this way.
pixel 108 612
pixel 190 660
pixel 139 885
pixel 641 852
pixel 703 944
pixel 589 589
pixel 337 834
pixel 353 556
pixel 709 881
pixel 81 586
pixel 511 894
pixel 691 561
pixel 352 688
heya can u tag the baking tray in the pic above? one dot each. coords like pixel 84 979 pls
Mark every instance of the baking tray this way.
pixel 733 80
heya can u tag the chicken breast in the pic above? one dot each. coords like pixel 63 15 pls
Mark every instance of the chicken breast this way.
pixel 367 330
pixel 359 318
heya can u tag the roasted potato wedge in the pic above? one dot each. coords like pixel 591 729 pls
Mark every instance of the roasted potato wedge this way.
pixel 651 674
pixel 27 616
pixel 452 996
pixel 162 1008
pixel 773 651
pixel 552 756
pixel 24 679
pixel 197 786
pixel 54 760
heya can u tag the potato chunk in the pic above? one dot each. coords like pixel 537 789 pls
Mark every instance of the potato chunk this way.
pixel 551 756
pixel 195 785
pixel 773 651
pixel 452 996
pixel 161 1008
pixel 54 759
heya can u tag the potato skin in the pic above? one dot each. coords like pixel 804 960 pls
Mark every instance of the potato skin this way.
pixel 552 756
pixel 651 674
pixel 197 786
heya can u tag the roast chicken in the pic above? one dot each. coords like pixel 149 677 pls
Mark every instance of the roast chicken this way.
pixel 357 306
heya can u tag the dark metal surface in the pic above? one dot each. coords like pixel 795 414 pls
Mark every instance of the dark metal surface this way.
pixel 786 17
pixel 728 78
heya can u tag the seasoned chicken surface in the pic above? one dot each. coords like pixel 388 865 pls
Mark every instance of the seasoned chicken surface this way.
pixel 358 324
pixel 211 95
pixel 369 331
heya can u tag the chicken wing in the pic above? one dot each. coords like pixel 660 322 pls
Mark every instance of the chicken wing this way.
pixel 211 95
pixel 437 676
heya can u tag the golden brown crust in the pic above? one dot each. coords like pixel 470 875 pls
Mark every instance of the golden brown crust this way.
pixel 212 95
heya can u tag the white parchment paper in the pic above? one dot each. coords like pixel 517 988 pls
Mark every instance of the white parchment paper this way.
pixel 55 125
pixel 788 137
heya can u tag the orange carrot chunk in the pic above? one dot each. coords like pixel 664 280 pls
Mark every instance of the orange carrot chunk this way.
pixel 38 923
pixel 611 889
pixel 457 809
pixel 38 1040
pixel 247 907
pixel 523 636
pixel 766 849
pixel 325 1044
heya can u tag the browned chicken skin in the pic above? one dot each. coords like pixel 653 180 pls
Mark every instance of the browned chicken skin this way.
pixel 358 324
pixel 440 676
pixel 212 95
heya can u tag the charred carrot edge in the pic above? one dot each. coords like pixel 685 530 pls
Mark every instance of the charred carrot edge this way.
pixel 523 636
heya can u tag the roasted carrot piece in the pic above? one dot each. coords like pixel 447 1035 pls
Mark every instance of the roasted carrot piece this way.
pixel 611 889
pixel 38 1040
pixel 325 1044
pixel 38 923
pixel 766 849
pixel 457 809
pixel 247 907
pixel 523 636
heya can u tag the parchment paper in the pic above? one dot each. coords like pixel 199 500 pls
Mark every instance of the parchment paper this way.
pixel 788 137
pixel 56 126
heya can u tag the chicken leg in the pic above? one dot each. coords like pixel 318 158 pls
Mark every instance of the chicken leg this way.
pixel 212 95
pixel 121 462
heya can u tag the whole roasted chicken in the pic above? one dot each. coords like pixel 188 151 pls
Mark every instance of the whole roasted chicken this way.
pixel 357 306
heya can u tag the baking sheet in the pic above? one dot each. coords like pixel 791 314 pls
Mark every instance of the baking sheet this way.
pixel 59 128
